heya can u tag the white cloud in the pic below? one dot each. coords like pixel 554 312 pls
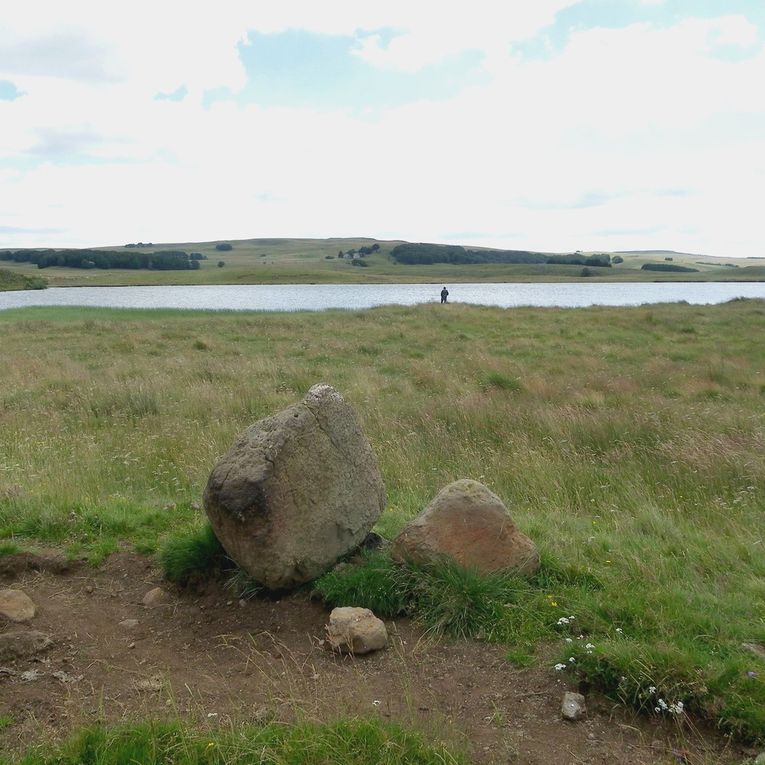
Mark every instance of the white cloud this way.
pixel 557 154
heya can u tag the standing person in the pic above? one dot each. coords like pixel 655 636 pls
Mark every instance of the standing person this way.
pixel 444 294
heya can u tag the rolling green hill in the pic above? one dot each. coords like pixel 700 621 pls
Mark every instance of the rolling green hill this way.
pixel 365 260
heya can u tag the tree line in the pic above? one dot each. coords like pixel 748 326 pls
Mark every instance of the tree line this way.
pixel 164 260
pixel 427 254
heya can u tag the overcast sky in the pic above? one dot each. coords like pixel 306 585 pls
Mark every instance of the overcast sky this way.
pixel 551 125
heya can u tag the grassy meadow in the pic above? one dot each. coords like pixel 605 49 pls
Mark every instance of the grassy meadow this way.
pixel 302 261
pixel 629 443
pixel 12 280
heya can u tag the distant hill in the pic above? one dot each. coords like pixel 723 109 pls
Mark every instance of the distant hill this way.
pixel 659 252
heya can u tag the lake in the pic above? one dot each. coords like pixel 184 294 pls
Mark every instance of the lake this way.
pixel 318 297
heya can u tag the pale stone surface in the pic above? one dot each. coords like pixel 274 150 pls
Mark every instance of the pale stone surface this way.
pixel 156 597
pixel 573 706
pixel 470 525
pixel 129 624
pixel 356 631
pixel 16 605
pixel 296 491
pixel 21 643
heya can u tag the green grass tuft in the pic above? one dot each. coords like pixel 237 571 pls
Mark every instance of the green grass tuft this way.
pixel 348 742
pixel 443 597
pixel 192 554
pixel 377 583
pixel 9 548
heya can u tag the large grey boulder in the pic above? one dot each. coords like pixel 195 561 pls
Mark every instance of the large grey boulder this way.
pixel 469 525
pixel 296 491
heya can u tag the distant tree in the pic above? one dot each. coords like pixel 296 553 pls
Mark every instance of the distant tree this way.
pixel 221 263
pixel 667 267
pixel 617 259
pixel 224 247
pixel 375 247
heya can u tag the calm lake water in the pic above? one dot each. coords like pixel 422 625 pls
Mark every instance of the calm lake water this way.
pixel 317 297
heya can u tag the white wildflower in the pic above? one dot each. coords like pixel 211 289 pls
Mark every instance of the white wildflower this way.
pixel 569 640
pixel 559 667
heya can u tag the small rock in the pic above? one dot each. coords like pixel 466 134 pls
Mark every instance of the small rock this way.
pixel 16 606
pixel 64 677
pixel 89 588
pixel 132 645
pixel 30 675
pixel 355 631
pixel 18 644
pixel 129 624
pixel 573 706
pixel 156 597
pixel 756 649
pixel 152 684
pixel 263 715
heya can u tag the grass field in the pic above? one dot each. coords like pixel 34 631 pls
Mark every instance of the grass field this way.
pixel 298 261
pixel 628 443
pixel 12 280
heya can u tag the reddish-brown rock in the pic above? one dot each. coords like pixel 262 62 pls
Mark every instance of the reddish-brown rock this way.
pixel 470 525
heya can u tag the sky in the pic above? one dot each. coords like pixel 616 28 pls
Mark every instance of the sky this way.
pixel 550 125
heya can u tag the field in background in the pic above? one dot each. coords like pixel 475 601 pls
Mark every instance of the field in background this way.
pixel 296 261
pixel 629 443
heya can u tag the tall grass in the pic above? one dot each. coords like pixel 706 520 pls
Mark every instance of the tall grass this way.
pixel 630 448
pixel 353 742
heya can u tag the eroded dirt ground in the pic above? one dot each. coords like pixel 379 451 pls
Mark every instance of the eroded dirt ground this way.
pixel 208 657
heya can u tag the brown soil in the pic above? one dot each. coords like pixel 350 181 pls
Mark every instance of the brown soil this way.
pixel 216 660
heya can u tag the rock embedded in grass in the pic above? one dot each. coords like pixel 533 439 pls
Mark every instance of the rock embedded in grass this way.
pixel 470 525
pixel 296 491
pixel 355 631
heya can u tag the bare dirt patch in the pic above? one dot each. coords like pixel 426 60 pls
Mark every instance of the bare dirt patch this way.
pixel 210 658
